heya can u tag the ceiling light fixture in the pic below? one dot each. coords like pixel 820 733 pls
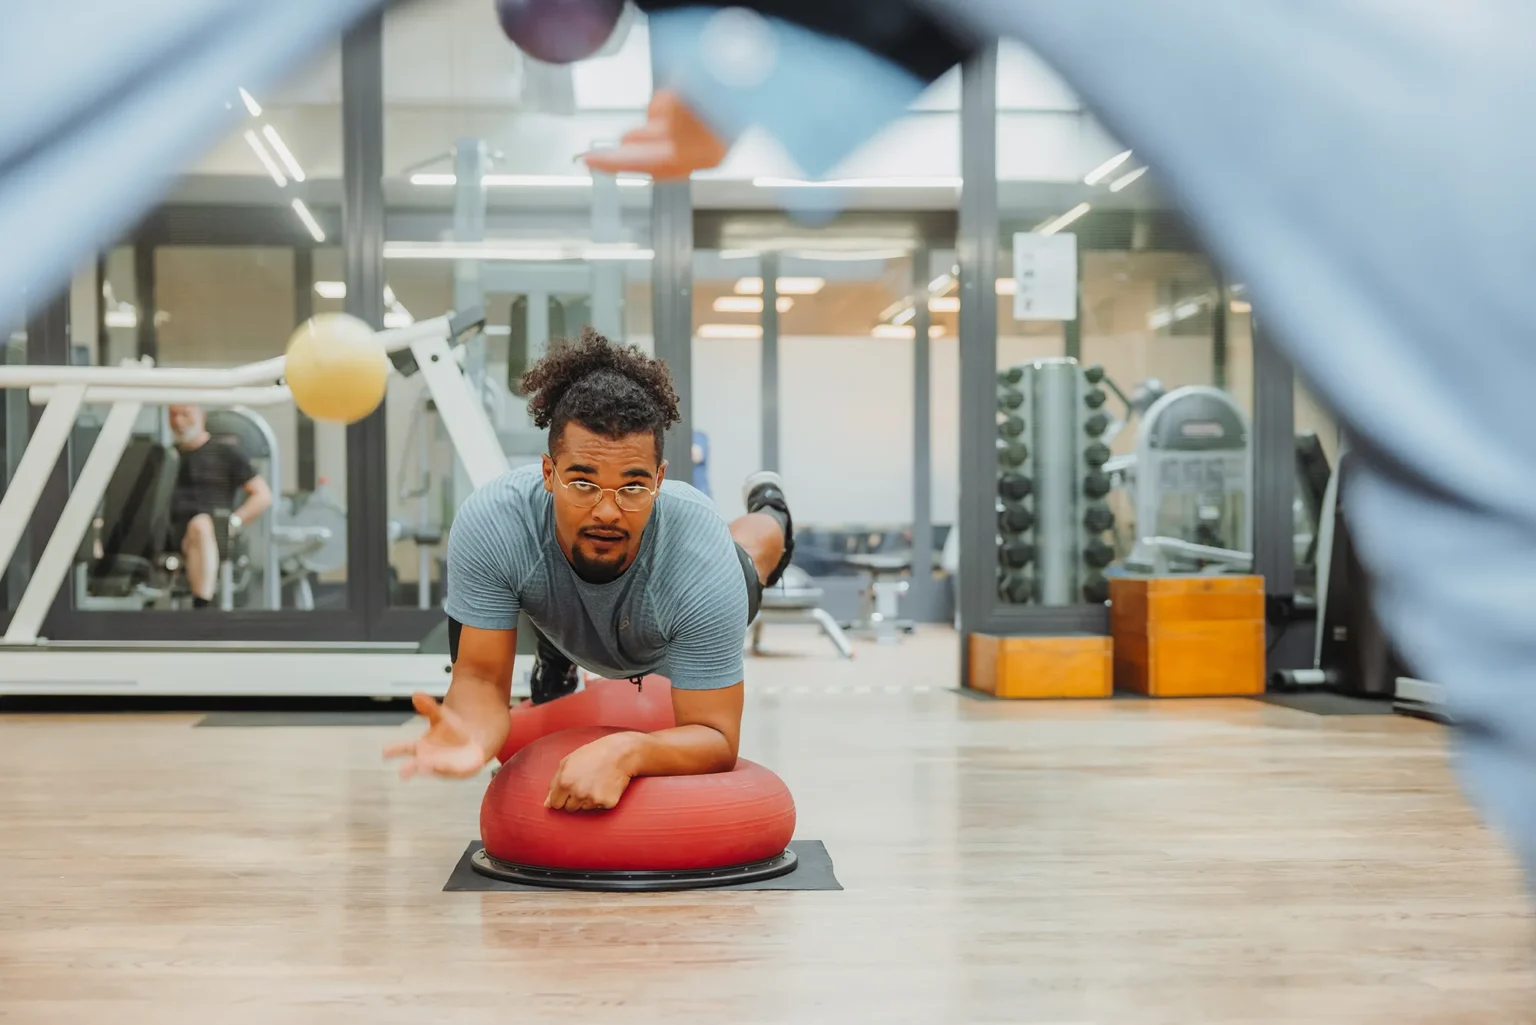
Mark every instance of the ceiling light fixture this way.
pixel 331 289
pixel 944 304
pixel 786 286
pixel 266 158
pixel 283 153
pixel 510 251
pixel 740 331
pixel 1104 170
pixel 250 103
pixel 315 231
pixel 1120 183
pixel 897 182
pixel 524 181
pixel 1052 227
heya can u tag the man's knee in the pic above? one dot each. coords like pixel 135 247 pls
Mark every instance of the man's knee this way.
pixel 199 531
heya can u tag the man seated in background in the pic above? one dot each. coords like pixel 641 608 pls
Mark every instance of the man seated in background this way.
pixel 209 476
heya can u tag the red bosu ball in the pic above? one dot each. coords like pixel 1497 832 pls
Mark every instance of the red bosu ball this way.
pixel 662 824
pixel 646 708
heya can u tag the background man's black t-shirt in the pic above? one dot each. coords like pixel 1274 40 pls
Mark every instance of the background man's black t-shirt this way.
pixel 208 478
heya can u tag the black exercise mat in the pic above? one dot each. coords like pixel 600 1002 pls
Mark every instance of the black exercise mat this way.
pixel 377 717
pixel 1325 703
pixel 812 872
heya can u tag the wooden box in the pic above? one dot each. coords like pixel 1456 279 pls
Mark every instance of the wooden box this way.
pixel 1199 636
pixel 1041 667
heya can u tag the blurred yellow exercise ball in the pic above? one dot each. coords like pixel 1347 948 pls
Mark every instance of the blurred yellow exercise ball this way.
pixel 336 368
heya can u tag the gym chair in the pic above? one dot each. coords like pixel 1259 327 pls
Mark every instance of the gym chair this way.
pixel 125 563
pixel 797 599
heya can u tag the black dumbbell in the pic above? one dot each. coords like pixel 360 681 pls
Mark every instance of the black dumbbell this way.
pixel 1096 425
pixel 1012 453
pixel 1098 519
pixel 1016 588
pixel 1018 554
pixel 1096 588
pixel 1096 454
pixel 1010 427
pixel 1013 375
pixel 1014 486
pixel 1009 398
pixel 1093 374
pixel 1098 554
pixel 1094 398
pixel 1095 484
pixel 1013 518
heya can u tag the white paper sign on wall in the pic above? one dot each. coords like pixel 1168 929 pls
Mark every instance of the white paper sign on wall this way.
pixel 1045 271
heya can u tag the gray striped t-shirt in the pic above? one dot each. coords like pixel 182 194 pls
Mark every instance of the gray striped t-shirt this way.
pixel 680 609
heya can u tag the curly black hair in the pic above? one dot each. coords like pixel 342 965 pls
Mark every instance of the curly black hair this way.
pixel 612 390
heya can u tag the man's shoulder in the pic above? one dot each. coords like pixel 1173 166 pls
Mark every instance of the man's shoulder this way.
pixel 506 501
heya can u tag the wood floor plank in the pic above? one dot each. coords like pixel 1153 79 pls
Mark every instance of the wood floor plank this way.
pixel 1125 862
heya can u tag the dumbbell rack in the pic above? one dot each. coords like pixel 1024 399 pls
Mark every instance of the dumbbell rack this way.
pixel 1051 513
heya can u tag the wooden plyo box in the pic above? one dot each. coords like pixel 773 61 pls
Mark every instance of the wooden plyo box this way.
pixel 1198 636
pixel 1041 667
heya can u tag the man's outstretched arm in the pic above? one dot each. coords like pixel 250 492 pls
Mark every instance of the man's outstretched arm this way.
pixel 467 729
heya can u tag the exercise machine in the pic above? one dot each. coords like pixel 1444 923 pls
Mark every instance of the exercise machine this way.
pixel 31 664
pixel 1192 479
pixel 1351 653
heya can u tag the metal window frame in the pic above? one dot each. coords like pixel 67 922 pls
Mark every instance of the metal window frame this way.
pixel 980 610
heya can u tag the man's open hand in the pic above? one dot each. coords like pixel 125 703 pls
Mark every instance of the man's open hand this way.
pixel 446 749
pixel 593 777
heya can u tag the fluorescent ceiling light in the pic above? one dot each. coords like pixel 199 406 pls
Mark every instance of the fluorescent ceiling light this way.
pixel 1120 183
pixel 497 329
pixel 389 296
pixel 511 251
pixel 904 331
pixel 749 304
pixel 944 304
pixel 250 103
pixel 787 286
pixel 123 316
pixel 331 289
pixel 283 153
pixel 730 331
pixel 315 231
pixel 265 158
pixel 895 182
pixel 905 315
pixel 1007 286
pixel 1103 171
pixel 941 284
pixel 1241 306
pixel 524 181
pixel 1184 311
pixel 1052 227
pixel 893 309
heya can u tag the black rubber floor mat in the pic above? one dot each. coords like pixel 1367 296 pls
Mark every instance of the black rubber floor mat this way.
pixel 813 871
pixel 1325 703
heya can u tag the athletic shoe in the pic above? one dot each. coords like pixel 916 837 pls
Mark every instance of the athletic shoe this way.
pixel 763 492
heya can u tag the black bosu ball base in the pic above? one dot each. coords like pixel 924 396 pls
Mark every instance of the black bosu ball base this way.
pixel 633 882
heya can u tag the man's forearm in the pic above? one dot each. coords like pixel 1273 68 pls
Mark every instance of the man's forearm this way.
pixel 680 751
pixel 484 708
pixel 253 507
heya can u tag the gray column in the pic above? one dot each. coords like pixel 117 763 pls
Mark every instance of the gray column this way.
pixel 976 248
pixel 1219 356
pixel 769 268
pixel 672 308
pixel 144 299
pixel 362 122
pixel 1274 466
pixel 607 275
pixel 303 309
pixel 471 160
pixel 919 599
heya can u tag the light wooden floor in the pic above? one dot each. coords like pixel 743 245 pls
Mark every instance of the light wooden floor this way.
pixel 1118 863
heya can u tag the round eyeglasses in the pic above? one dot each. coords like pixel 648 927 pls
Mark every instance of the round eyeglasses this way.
pixel 585 495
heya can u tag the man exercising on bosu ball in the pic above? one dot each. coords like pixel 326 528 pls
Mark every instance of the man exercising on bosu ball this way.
pixel 621 571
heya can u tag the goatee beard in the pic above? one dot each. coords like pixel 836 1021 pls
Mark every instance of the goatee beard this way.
pixel 595 572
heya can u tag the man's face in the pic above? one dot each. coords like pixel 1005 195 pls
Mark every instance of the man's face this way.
pixel 186 422
pixel 601 538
